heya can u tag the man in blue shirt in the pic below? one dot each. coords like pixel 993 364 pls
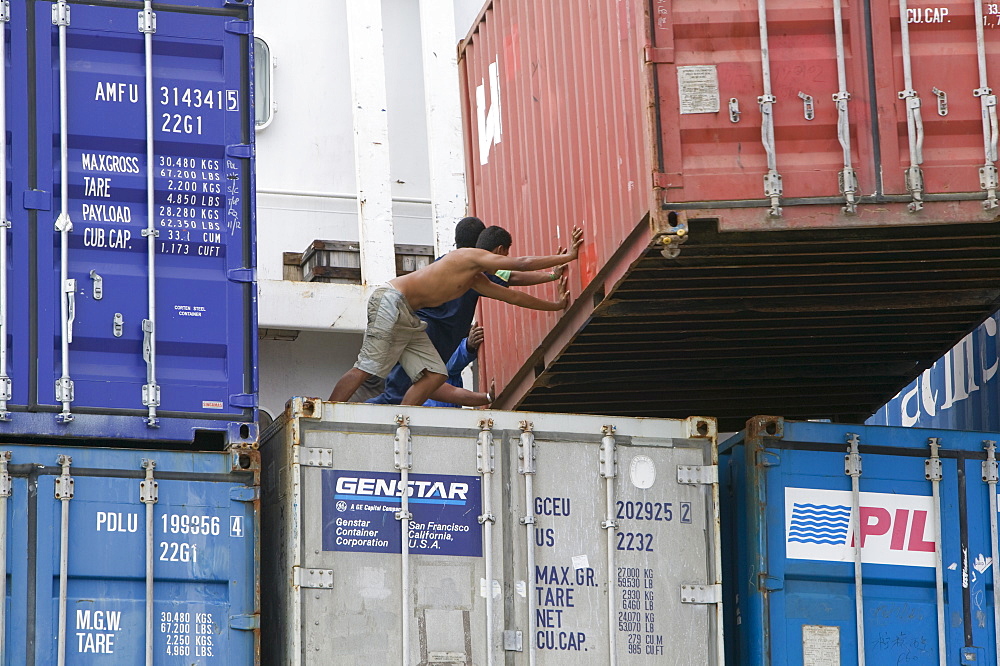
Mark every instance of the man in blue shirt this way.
pixel 466 353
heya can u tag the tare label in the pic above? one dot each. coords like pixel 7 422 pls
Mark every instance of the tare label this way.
pixel 895 529
pixel 359 513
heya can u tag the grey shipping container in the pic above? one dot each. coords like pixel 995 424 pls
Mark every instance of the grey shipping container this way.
pixel 522 538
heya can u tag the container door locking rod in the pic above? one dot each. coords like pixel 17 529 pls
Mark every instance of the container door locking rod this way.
pixel 526 467
pixel 5 492
pixel 403 452
pixel 990 476
pixel 148 495
pixel 852 467
pixel 932 472
pixel 64 493
pixel 988 180
pixel 914 122
pixel 5 384
pixel 848 178
pixel 610 526
pixel 772 181
pixel 151 390
pixel 67 287
pixel 485 467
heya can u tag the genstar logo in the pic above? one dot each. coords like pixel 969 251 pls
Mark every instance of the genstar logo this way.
pixel 895 529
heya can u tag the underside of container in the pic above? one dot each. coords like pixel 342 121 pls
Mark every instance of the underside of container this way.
pixel 817 323
pixel 827 169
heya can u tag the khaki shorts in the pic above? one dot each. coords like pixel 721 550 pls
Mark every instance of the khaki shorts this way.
pixel 394 334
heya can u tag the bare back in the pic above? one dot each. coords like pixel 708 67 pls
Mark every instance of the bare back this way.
pixel 443 280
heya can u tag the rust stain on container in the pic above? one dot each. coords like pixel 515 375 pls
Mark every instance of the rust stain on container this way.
pixel 813 274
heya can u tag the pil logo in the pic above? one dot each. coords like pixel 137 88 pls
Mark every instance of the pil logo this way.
pixel 895 529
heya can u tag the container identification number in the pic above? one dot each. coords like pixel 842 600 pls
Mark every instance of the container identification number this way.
pixel 196 98
pixel 184 524
pixel 635 541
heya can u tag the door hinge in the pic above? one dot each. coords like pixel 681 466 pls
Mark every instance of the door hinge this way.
pixel 239 27
pixel 512 641
pixel 244 622
pixel 659 54
pixel 241 275
pixel 244 494
pixel 697 474
pixel 243 151
pixel 768 583
pixel 316 457
pixel 701 594
pixel 243 400
pixel 312 578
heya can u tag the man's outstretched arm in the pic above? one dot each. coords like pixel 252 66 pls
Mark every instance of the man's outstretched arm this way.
pixel 486 288
pixel 490 263
pixel 519 279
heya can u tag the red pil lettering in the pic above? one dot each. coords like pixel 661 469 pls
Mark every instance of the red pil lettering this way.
pixel 917 529
pixel 877 527
pixel 899 529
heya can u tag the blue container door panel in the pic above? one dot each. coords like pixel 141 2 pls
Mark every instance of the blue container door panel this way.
pixel 980 570
pixel 16 336
pixel 203 570
pixel 16 630
pixel 201 315
pixel 810 550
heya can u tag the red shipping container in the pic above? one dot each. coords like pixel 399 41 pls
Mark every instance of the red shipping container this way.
pixel 788 206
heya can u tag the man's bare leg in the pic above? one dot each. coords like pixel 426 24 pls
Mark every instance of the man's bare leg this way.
pixel 423 388
pixel 460 396
pixel 348 384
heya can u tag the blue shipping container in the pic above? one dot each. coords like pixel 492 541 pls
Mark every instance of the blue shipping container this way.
pixel 960 391
pixel 74 531
pixel 790 522
pixel 129 306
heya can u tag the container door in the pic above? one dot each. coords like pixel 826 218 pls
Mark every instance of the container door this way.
pixel 736 125
pixel 936 92
pixel 979 600
pixel 201 225
pixel 203 564
pixel 18 180
pixel 560 561
pixel 810 614
pixel 355 606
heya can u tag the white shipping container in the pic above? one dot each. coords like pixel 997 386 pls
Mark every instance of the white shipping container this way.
pixel 536 539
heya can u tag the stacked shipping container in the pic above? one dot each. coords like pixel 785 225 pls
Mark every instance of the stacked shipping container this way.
pixel 129 256
pixel 127 331
pixel 776 221
pixel 960 391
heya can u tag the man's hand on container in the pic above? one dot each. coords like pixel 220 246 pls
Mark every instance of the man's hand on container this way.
pixel 574 251
pixel 476 337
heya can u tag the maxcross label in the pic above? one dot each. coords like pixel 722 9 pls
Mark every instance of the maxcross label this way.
pixel 895 529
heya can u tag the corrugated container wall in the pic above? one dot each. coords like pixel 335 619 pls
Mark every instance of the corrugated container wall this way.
pixel 523 538
pixel 776 180
pixel 960 391
pixel 113 556
pixel 922 505
pixel 128 301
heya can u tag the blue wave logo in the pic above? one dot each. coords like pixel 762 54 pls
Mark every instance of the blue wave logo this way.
pixel 819 523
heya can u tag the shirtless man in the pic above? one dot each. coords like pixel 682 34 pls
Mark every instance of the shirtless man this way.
pixel 394 332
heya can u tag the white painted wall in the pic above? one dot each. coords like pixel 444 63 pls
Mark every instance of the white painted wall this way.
pixel 306 178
